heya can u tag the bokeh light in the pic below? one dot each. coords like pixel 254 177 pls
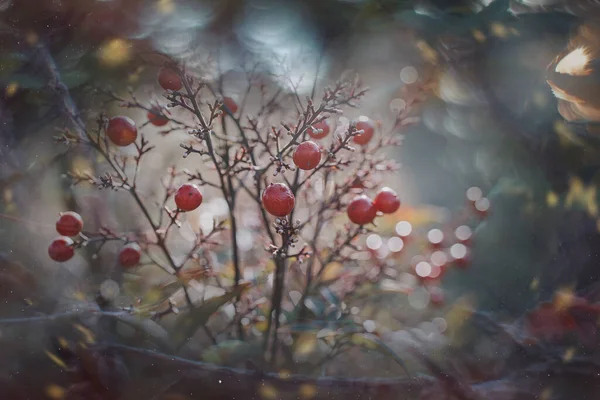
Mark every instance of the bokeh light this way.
pixel 374 241
pixel 439 258
pixel 409 75
pixel 459 251
pixel 482 205
pixel 397 105
pixel 435 236
pixel 474 193
pixel 423 269
pixel 463 233
pixel 403 228
pixel 395 244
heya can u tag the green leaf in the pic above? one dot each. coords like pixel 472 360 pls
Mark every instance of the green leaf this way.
pixel 372 342
pixel 149 329
pixel 188 323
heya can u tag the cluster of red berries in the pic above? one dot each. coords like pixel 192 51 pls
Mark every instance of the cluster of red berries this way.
pixel 362 210
pixel 61 248
pixel 279 201
pixel 367 126
pixel 70 224
pixel 122 130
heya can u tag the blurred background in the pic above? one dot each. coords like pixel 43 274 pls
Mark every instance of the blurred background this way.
pixel 490 118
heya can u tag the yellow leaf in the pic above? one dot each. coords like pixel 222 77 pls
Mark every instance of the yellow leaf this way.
pixel 575 193
pixel 590 201
pixel 305 343
pixel 551 199
pixel 114 52
pixel 563 299
pixel 546 394
pixel 565 135
pixel 270 266
pixel 456 318
pixel 87 334
pixel 332 271
pixel 535 283
pixel 56 359
pixel 427 52
pixel 421 215
pixel 285 374
pixel 165 6
pixel 261 326
pixel 360 340
pixel 498 30
pixel 81 166
pixel 228 271
pixel 11 89
pixel 569 354
pixel 268 392
pixel 55 392
pixel 479 36
pixel 63 342
pixel 79 295
pixel 307 391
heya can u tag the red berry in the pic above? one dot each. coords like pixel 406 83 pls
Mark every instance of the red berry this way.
pixel 169 79
pixel 231 104
pixel 387 201
pixel 314 133
pixel 61 249
pixel 121 131
pixel 307 155
pixel 361 210
pixel 157 117
pixel 188 197
pixel 368 129
pixel 69 224
pixel 130 255
pixel 278 199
